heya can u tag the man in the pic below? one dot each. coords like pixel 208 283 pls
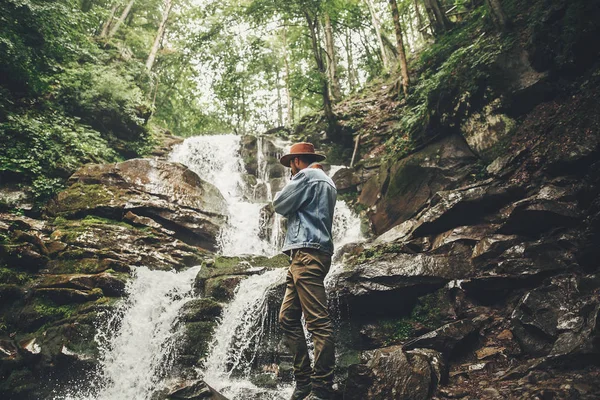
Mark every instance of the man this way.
pixel 308 201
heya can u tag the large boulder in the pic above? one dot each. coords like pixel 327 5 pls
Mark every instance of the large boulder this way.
pixel 167 193
pixel 560 320
pixel 391 373
pixel 402 188
pixel 393 278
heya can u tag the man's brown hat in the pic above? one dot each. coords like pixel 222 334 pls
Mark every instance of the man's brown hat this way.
pixel 301 149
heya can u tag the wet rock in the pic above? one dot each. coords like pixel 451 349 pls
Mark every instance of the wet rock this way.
pixel 390 373
pixel 166 143
pixel 110 284
pixel 548 209
pixel 63 296
pixel 235 269
pixel 194 390
pixel 168 193
pixel 559 321
pixel 390 281
pixel 450 336
pixel 401 189
pixel 204 309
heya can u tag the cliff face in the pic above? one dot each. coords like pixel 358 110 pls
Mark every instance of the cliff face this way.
pixel 482 276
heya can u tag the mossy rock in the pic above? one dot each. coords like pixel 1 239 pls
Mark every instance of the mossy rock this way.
pixel 205 309
pixel 197 338
pixel 222 266
pixel 222 288
pixel 18 384
pixel 265 380
pixel 80 196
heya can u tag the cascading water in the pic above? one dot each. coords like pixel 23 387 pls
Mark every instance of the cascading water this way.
pixel 135 360
pixel 216 159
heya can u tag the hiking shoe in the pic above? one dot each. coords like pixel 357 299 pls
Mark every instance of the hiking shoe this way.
pixel 301 392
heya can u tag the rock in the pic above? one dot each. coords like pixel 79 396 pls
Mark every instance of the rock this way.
pixel 230 267
pixel 222 288
pixel 391 373
pixel 464 206
pixel 345 180
pixel 248 152
pixel 402 188
pixel 168 193
pixel 63 296
pixel 450 336
pixel 485 130
pixel 166 143
pixel 204 309
pixel 97 244
pixel 194 390
pixel 551 321
pixel 553 207
pixel 390 281
pixel 13 196
pixel 109 284
pixel 490 393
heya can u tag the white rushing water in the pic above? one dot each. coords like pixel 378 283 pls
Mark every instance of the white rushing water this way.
pixel 243 325
pixel 216 160
pixel 134 361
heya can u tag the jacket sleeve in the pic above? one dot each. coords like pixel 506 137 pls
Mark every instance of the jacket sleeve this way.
pixel 293 195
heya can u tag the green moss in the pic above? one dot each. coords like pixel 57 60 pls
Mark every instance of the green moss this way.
pixel 197 338
pixel 46 308
pixel 426 314
pixel 377 251
pixel 9 276
pixel 82 197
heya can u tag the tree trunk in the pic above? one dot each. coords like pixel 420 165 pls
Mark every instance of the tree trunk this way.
pixel 498 15
pixel 334 82
pixel 420 24
pixel 350 60
pixel 279 101
pixel 313 28
pixel 439 20
pixel 377 26
pixel 121 19
pixel 108 21
pixel 159 35
pixel 290 103
pixel 400 45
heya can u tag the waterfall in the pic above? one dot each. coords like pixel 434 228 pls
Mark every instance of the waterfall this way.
pixel 216 159
pixel 243 325
pixel 134 361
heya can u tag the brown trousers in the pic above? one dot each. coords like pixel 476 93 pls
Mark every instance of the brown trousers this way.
pixel 305 293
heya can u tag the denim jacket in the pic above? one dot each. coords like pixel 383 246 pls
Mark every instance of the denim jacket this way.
pixel 308 201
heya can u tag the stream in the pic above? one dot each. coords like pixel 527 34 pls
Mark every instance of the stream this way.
pixel 139 342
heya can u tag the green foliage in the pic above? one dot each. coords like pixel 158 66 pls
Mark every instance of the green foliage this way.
pixel 107 99
pixel 448 90
pixel 47 148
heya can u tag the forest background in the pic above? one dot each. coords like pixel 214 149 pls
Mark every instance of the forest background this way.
pixel 99 80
